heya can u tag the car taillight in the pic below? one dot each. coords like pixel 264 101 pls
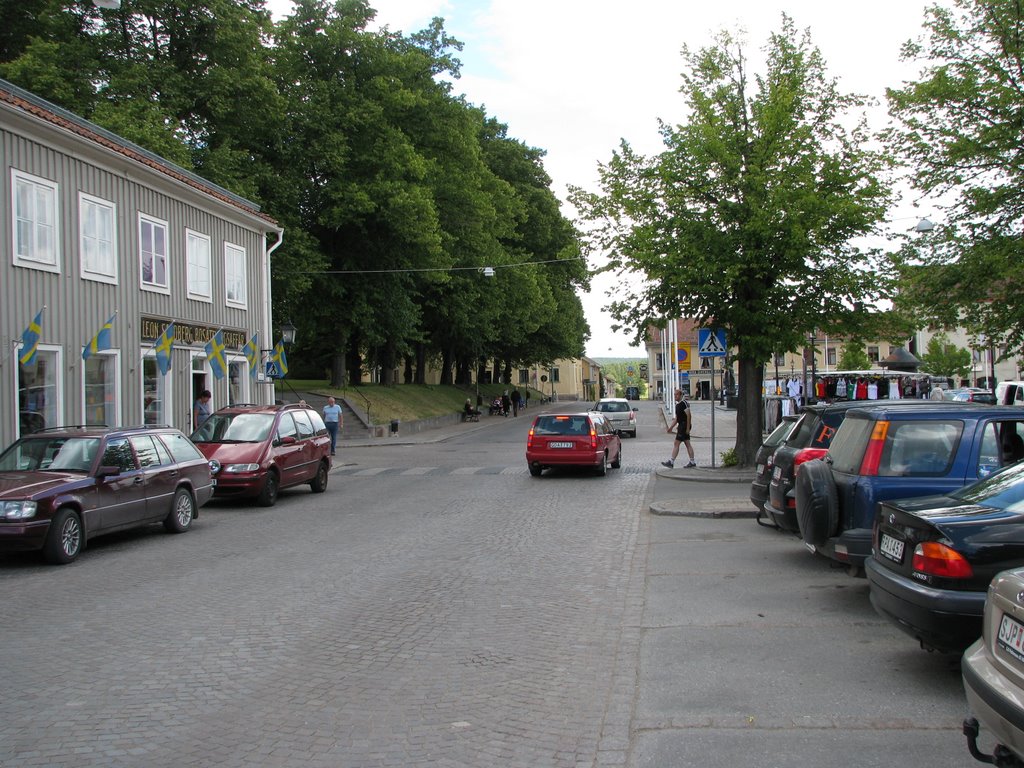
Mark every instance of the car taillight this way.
pixel 529 439
pixel 806 454
pixel 593 437
pixel 873 454
pixel 937 559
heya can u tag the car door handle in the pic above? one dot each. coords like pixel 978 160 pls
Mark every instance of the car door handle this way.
pixel 138 480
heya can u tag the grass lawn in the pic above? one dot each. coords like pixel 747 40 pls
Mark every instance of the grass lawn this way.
pixel 405 402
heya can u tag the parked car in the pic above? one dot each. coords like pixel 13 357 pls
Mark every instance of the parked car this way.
pixel 61 487
pixel 933 557
pixel 891 451
pixel 993 673
pixel 809 439
pixel 256 450
pixel 1010 393
pixel 764 462
pixel 970 395
pixel 619 413
pixel 574 439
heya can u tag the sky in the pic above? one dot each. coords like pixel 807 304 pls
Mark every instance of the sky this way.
pixel 575 77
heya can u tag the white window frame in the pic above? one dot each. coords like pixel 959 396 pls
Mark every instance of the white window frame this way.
pixel 58 383
pixel 245 384
pixel 146 220
pixel 50 223
pixel 105 268
pixel 234 274
pixel 198 266
pixel 115 354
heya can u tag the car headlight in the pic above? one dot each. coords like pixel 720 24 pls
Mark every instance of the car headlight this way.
pixel 240 467
pixel 17 510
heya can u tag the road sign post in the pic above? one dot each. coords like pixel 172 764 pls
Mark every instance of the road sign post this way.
pixel 711 343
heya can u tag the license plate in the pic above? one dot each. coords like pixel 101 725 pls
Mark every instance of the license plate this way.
pixel 1011 636
pixel 891 548
pixel 557 444
pixel 777 474
pixel 760 469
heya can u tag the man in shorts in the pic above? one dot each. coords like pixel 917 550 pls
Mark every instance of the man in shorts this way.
pixel 681 423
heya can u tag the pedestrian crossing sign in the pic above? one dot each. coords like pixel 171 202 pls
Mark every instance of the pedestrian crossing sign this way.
pixel 273 371
pixel 711 342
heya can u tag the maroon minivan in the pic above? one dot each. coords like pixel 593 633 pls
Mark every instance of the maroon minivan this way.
pixel 256 450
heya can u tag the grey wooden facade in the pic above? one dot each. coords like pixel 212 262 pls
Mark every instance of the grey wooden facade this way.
pixel 94 227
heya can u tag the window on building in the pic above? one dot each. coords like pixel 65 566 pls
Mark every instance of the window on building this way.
pixel 780 360
pixel 659 361
pixel 100 390
pixel 153 253
pixel 35 230
pixel 524 375
pixel 234 273
pixel 38 388
pixel 238 381
pixel 830 356
pixel 554 375
pixel 155 393
pixel 197 254
pixel 96 227
pixel 873 356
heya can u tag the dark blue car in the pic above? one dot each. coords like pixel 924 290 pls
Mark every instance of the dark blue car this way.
pixel 893 451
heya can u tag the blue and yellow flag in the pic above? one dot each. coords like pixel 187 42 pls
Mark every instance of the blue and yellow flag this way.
pixel 164 345
pixel 251 350
pixel 279 359
pixel 215 354
pixel 30 340
pixel 101 340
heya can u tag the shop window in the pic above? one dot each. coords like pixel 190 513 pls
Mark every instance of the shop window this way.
pixel 38 406
pixel 100 390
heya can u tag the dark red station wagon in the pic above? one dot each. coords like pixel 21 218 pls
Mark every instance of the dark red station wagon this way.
pixel 574 439
pixel 61 487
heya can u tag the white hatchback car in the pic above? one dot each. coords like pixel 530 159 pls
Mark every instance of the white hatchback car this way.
pixel 620 415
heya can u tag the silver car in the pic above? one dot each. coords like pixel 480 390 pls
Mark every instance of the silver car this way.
pixel 993 672
pixel 619 414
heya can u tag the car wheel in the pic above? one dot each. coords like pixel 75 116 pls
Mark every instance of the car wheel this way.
pixel 535 470
pixel 603 469
pixel 268 496
pixel 319 483
pixel 817 507
pixel 183 509
pixel 618 459
pixel 64 539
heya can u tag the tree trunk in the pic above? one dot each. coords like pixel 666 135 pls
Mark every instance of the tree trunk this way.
pixel 421 363
pixel 407 372
pixel 446 366
pixel 749 412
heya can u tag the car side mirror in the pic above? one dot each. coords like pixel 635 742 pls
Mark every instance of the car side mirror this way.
pixel 288 440
pixel 108 470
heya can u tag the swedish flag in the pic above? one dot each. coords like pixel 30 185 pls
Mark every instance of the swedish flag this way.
pixel 101 340
pixel 215 354
pixel 30 340
pixel 279 358
pixel 164 345
pixel 251 350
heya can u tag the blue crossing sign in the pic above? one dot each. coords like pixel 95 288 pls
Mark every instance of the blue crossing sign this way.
pixel 711 342
pixel 273 371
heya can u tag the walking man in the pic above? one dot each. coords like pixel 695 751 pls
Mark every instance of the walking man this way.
pixel 681 423
pixel 332 419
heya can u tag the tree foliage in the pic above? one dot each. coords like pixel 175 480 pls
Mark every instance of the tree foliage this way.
pixel 959 132
pixel 852 356
pixel 393 192
pixel 745 220
pixel 944 359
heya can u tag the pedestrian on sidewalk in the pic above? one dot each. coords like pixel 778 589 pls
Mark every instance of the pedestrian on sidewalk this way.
pixel 332 419
pixel 681 423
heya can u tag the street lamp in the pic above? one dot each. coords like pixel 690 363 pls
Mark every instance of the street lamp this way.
pixel 288 333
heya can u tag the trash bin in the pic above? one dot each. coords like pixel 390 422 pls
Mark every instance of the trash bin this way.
pixel 732 401
pixel 394 426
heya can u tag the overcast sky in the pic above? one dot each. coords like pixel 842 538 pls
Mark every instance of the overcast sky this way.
pixel 573 77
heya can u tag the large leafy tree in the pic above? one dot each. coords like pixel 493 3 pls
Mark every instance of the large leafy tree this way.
pixel 960 128
pixel 943 358
pixel 745 221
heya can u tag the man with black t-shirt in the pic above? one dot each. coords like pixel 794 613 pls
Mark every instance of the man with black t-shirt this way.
pixel 681 423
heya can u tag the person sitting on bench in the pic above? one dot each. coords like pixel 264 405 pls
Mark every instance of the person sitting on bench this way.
pixel 469 413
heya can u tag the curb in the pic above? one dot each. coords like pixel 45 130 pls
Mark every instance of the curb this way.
pixel 706 475
pixel 685 508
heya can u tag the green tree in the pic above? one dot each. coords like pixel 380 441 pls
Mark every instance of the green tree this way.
pixel 745 220
pixel 959 132
pixel 853 357
pixel 945 359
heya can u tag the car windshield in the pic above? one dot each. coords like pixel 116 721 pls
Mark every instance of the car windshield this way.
pixel 64 454
pixel 235 428
pixel 1002 490
pixel 612 407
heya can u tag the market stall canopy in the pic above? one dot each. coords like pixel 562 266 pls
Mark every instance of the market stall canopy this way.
pixel 901 360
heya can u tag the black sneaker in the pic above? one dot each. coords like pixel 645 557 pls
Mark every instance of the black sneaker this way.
pixel 691 464
pixel 668 464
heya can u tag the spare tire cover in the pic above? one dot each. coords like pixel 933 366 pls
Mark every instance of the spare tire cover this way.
pixel 817 508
